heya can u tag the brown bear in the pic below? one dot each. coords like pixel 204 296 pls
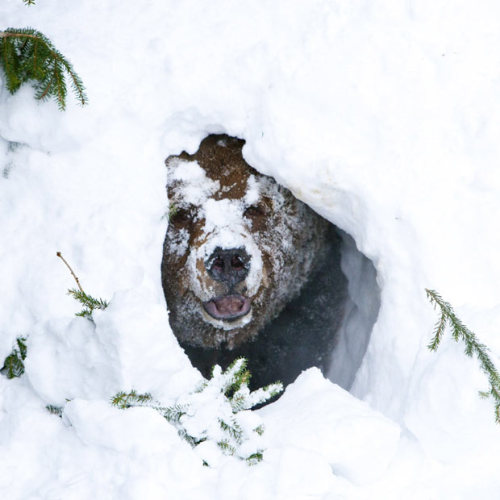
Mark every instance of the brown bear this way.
pixel 248 270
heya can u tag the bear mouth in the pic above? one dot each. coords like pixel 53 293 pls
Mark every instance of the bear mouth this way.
pixel 228 307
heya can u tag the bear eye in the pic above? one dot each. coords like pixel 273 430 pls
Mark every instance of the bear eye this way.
pixel 254 211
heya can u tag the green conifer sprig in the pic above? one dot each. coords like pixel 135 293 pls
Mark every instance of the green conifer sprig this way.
pixel 29 2
pixel 124 400
pixel 88 302
pixel 173 209
pixel 54 410
pixel 14 363
pixel 255 458
pixel 173 413
pixel 235 386
pixel 230 388
pixel 26 55
pixel 233 429
pixel 226 447
pixel 472 345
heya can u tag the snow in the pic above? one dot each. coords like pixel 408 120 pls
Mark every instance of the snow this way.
pixel 383 116
pixel 196 187
pixel 253 191
pixel 316 409
pixel 361 312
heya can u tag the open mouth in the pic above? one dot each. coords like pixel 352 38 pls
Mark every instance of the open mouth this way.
pixel 228 307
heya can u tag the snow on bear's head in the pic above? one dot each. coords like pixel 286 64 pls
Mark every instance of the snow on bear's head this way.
pixel 238 246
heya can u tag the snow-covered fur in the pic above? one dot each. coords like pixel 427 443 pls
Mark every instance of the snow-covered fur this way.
pixel 238 250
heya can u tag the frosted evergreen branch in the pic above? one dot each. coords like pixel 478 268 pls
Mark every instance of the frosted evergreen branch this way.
pixel 226 447
pixel 233 377
pixel 233 429
pixel 243 399
pixel 28 55
pixel 229 423
pixel 259 430
pixel 255 458
pixel 172 413
pixel 472 345
pixel 14 363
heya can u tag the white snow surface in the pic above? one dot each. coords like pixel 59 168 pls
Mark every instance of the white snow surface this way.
pixel 383 116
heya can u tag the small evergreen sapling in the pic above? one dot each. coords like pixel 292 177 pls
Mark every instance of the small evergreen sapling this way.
pixel 472 346
pixel 26 55
pixel 215 413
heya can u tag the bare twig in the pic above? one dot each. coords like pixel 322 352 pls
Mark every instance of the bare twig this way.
pixel 71 271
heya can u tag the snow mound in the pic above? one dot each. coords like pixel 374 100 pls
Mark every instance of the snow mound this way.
pixel 357 442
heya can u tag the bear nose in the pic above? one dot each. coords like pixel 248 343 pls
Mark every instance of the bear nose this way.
pixel 228 266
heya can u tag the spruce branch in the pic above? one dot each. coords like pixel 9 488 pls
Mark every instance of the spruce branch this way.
pixel 89 303
pixel 472 346
pixel 259 430
pixel 233 429
pixel 173 413
pixel 255 458
pixel 226 447
pixel 227 391
pixel 28 55
pixel 54 410
pixel 14 363
pixel 29 2
pixel 124 400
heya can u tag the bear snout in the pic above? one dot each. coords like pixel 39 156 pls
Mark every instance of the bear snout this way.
pixel 228 266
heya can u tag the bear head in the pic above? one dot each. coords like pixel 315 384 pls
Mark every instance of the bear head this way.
pixel 238 248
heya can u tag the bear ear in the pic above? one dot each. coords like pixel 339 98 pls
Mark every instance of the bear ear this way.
pixel 172 160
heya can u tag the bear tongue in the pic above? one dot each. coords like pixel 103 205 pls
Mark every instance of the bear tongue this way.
pixel 227 306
